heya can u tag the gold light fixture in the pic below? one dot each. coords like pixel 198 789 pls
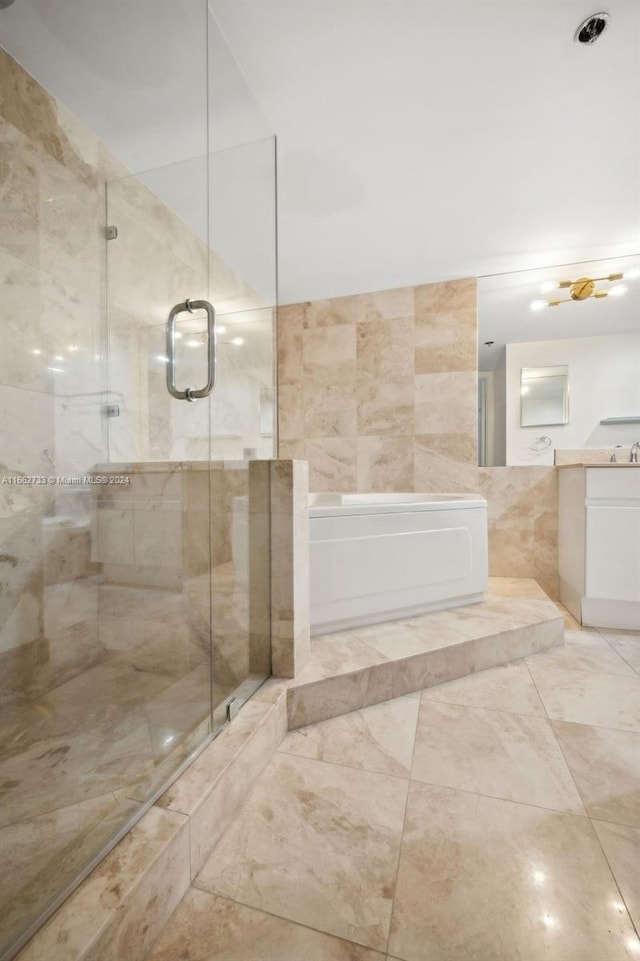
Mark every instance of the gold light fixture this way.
pixel 581 289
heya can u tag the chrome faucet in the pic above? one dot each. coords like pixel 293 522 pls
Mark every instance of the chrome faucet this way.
pixel 633 454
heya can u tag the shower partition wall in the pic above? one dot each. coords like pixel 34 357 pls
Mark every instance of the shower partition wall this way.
pixel 127 571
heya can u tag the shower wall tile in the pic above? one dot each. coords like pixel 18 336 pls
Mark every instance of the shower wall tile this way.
pixel 290 322
pixel 328 411
pixel 291 413
pixel 329 313
pixel 20 191
pixel 21 581
pixel 446 341
pixel 29 108
pixel 66 553
pixel 115 537
pixel 291 449
pixel 385 349
pixel 385 463
pixel 446 403
pixel 384 407
pixel 158 539
pixel 454 447
pixel 447 296
pixel 27 420
pixel 332 463
pixel 385 304
pixel 414 373
pixel 329 355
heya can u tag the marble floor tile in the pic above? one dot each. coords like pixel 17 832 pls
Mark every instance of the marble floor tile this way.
pixel 586 651
pixel 316 844
pixel 627 646
pixel 605 765
pixel 43 854
pixel 603 700
pixel 621 846
pixel 478 620
pixel 378 738
pixel 482 879
pixel 413 635
pixel 211 928
pixel 505 688
pixel 333 654
pixel 490 752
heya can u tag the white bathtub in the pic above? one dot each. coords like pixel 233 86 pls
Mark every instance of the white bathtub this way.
pixel 375 557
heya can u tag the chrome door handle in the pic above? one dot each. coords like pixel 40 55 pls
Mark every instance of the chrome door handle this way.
pixel 191 393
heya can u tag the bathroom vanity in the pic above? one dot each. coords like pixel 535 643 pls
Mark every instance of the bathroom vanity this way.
pixel 599 544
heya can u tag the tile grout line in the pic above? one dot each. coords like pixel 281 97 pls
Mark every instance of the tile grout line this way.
pixel 508 800
pixel 633 924
pixel 607 641
pixel 581 670
pixel 404 824
pixel 281 917
pixel 588 816
pixel 533 681
pixel 560 748
pixel 599 727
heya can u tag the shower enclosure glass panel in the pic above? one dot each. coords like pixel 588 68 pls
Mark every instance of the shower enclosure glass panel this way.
pixel 159 579
pixel 134 594
pixel 242 229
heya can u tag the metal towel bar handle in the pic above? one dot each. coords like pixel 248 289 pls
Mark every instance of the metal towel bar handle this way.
pixel 190 393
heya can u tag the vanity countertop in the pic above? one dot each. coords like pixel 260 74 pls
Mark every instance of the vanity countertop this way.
pixel 607 464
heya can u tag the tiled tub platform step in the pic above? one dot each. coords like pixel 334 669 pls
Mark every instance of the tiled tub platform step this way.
pixel 353 669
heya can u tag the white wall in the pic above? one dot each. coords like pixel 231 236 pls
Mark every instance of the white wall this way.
pixel 604 381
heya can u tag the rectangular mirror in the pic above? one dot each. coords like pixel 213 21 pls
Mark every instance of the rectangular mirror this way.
pixel 544 396
pixel 531 319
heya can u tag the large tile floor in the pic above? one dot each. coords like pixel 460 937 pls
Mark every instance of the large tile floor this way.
pixel 494 818
pixel 78 753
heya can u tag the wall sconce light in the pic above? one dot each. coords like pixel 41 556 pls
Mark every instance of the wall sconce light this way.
pixel 582 289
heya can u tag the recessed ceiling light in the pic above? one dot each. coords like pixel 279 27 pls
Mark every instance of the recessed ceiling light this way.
pixel 238 341
pixel 591 28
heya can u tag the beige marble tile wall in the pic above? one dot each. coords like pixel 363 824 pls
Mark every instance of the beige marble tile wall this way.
pixel 52 280
pixel 56 179
pixel 379 393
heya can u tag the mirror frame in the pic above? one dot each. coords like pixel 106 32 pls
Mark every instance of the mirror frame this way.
pixel 565 394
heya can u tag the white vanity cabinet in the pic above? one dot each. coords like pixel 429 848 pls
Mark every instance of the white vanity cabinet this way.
pixel 599 544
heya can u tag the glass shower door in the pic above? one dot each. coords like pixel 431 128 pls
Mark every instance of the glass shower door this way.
pixel 161 357
pixel 242 271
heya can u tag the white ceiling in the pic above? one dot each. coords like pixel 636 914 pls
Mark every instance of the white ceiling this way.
pixel 418 139
pixel 425 139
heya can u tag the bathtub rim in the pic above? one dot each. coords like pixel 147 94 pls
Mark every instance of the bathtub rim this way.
pixel 344 504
